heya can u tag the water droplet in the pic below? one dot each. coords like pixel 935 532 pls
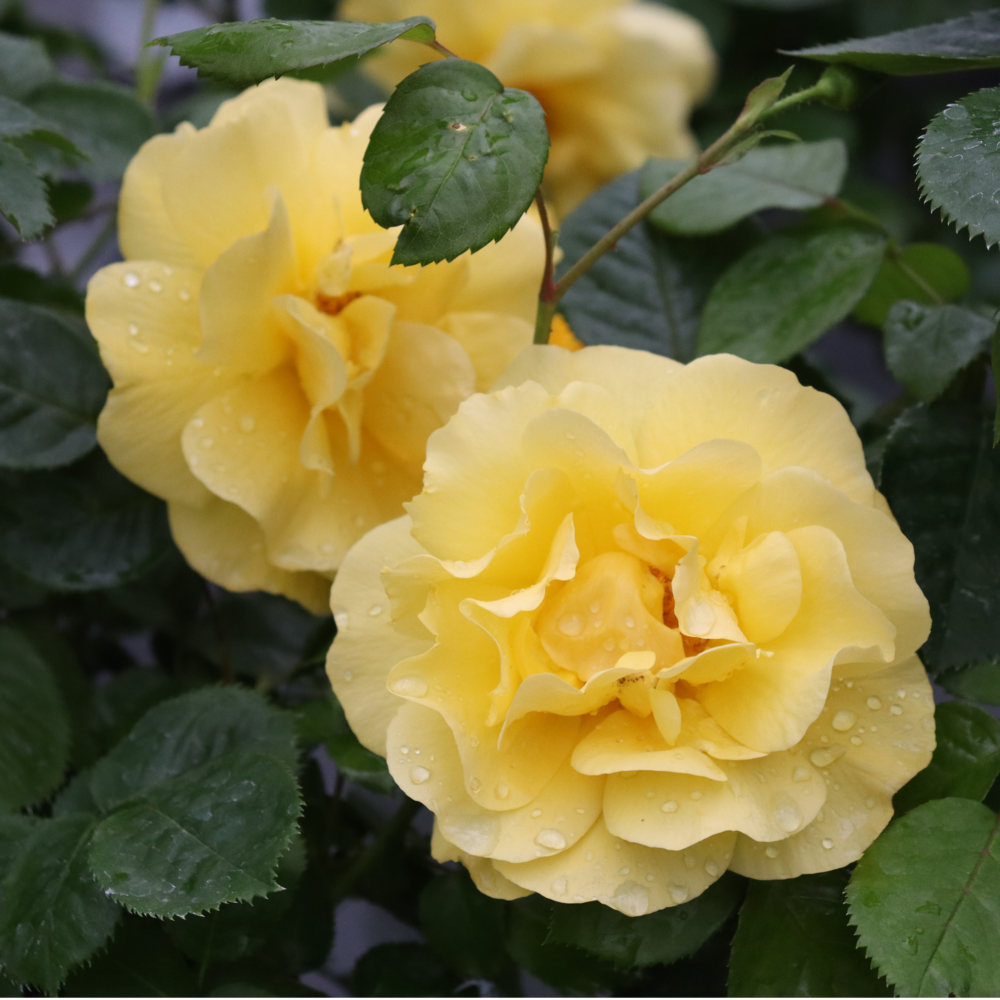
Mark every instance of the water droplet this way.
pixel 474 785
pixel 629 621
pixel 843 721
pixel 609 644
pixel 375 609
pixel 825 756
pixel 348 675
pixel 418 774
pixel 827 843
pixel 696 795
pixel 856 740
pixel 800 773
pixel 559 886
pixel 471 95
pixel 198 422
pixel 133 330
pixel 589 856
pixel 570 625
pixel 131 279
pixel 207 442
pixel 630 899
pixel 501 791
pixel 678 893
pixel 900 694
pixel 874 703
pixel 598 623
pixel 623 871
pixel 138 346
pixel 670 806
pixel 184 295
pixel 535 813
pixel 954 111
pixel 896 709
pixel 788 817
pixel 711 868
pixel 155 286
pixel 595 607
pixel 972 145
pixel 410 687
pixel 771 852
pixel 247 423
pixel 870 802
pixel 551 839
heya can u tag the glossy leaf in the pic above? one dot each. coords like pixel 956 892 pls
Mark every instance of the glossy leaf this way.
pixel 926 273
pixel 23 197
pixel 941 477
pixel 787 292
pixel 794 940
pixel 52 386
pixel 14 830
pixel 242 53
pixel 34 745
pixel 647 293
pixel 802 175
pixel 83 528
pixel 927 346
pixel 54 914
pixel 924 898
pixel 107 122
pixel 956 163
pixel 187 732
pixel 455 159
pixel 24 65
pixel 963 43
pixel 211 835
pixel 655 939
pixel 966 759
pixel 978 682
pixel 323 721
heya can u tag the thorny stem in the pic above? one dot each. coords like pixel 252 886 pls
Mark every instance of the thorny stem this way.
pixel 149 65
pixel 706 161
pixel 547 292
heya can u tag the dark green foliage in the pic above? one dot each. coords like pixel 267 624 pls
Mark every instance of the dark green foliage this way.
pixel 244 53
pixel 979 682
pixel 24 65
pixel 787 292
pixel 801 175
pixel 927 346
pixel 36 731
pixel 924 900
pixel 52 386
pixel 966 760
pixel 402 970
pixel 794 941
pixel 963 43
pixel 956 164
pixel 452 138
pixel 648 292
pixel 940 475
pixel 54 913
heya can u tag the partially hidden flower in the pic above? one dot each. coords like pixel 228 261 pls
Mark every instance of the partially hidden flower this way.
pixel 645 622
pixel 275 379
pixel 617 78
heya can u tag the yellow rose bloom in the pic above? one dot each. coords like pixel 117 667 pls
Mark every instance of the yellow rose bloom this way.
pixel 645 622
pixel 617 79
pixel 275 380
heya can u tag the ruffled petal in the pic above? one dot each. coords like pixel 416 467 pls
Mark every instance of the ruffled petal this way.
pixel 486 878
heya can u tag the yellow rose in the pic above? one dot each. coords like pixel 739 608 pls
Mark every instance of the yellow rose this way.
pixel 275 380
pixel 648 621
pixel 617 79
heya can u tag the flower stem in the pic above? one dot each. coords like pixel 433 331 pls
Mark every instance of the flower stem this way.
pixel 546 294
pixel 149 65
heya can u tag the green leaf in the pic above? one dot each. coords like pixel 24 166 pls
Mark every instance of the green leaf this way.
pixel 52 387
pixel 798 176
pixel 83 528
pixel 978 682
pixel 956 164
pixel 927 273
pixel 401 970
pixel 34 747
pixel 794 940
pixel 211 835
pixel 54 914
pixel 14 831
pixel 323 721
pixel 23 196
pixel 655 939
pixel 649 291
pixel 966 759
pixel 455 159
pixel 924 900
pixel 787 292
pixel 960 44
pixel 141 961
pixel 107 122
pixel 119 704
pixel 242 53
pixel 24 65
pixel 927 346
pixel 186 732
pixel 463 926
pixel 995 364
pixel 941 478
pixel 26 285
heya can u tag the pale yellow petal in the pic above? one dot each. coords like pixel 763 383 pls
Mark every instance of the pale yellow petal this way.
pixel 491 339
pixel 767 799
pixel 486 878
pixel 721 396
pixel 625 876
pixel 226 545
pixel 368 645
pixel 423 377
pixel 875 733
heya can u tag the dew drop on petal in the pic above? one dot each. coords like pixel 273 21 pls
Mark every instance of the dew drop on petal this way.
pixel 800 773
pixel 404 749
pixel 670 806
pixel 827 844
pixel 348 675
pixel 131 279
pixel 843 721
pixel 874 703
pixel 418 774
pixel 896 709
pixel 696 795
pixel 711 868
pixel 375 609
pixel 856 740
pixel 535 813
pixel 560 885
pixel 474 785
pixel 410 687
pixel 155 286
pixel 552 839
pixel 678 893
pixel 501 791
pixel 570 625
pixel 771 852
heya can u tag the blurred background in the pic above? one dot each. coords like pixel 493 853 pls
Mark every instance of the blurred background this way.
pixel 101 40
